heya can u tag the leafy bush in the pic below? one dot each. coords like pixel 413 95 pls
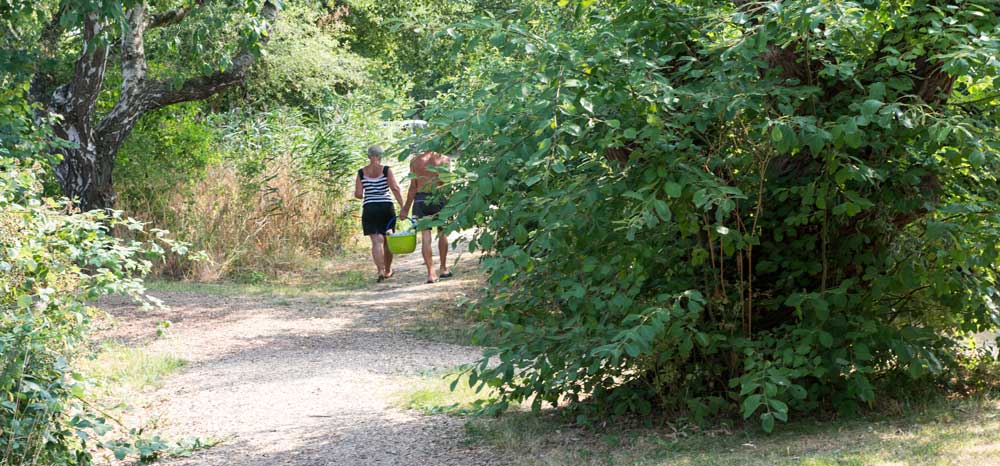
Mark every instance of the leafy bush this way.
pixel 169 150
pixel 742 208
pixel 52 263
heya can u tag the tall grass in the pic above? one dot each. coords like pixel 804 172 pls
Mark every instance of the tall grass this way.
pixel 269 225
pixel 259 191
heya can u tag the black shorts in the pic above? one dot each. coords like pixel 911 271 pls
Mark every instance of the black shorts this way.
pixel 424 207
pixel 376 217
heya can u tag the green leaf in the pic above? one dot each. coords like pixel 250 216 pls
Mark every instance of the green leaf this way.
pixel 485 186
pixel 861 352
pixel 977 159
pixel 586 104
pixel 778 405
pixel 815 141
pixel 825 339
pixel 767 422
pixel 750 404
pixel 870 106
pixel 662 210
pixel 672 189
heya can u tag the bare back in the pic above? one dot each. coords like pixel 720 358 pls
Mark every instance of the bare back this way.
pixel 421 166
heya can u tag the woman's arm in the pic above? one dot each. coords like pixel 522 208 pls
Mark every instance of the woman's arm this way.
pixel 394 187
pixel 358 191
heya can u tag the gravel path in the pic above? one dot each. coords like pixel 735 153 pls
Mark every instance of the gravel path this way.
pixel 305 381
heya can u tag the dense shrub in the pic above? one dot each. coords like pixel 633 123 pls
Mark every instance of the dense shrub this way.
pixel 52 264
pixel 169 150
pixel 743 207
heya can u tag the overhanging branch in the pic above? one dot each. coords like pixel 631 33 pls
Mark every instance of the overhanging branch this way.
pixel 173 16
pixel 141 94
pixel 202 87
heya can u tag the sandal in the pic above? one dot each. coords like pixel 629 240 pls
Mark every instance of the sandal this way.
pixel 380 279
pixel 445 275
pixel 432 281
pixel 389 275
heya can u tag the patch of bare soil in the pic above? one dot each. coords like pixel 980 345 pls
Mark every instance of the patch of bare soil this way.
pixel 305 381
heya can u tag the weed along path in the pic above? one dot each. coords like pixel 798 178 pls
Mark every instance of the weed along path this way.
pixel 305 376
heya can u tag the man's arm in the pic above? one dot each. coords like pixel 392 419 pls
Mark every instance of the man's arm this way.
pixel 411 194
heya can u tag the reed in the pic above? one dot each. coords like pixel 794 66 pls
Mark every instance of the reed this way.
pixel 265 225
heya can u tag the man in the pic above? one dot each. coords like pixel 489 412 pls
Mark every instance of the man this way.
pixel 424 168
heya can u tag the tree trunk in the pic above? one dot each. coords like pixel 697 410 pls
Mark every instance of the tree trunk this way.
pixel 85 172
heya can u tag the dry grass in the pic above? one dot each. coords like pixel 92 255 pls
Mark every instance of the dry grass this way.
pixel 314 278
pixel 272 228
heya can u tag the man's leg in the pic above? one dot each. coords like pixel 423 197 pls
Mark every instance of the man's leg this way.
pixel 443 251
pixel 426 249
pixel 378 252
pixel 387 270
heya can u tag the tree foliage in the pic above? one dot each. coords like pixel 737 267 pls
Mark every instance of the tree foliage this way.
pixel 746 207
pixel 166 52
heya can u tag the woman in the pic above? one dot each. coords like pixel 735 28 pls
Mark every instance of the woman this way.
pixel 373 184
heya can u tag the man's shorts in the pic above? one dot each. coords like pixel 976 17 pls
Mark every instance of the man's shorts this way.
pixel 423 206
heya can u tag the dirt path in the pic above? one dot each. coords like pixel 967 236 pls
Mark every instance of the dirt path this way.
pixel 306 380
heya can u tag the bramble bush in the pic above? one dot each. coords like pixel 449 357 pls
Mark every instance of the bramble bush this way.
pixel 52 264
pixel 728 207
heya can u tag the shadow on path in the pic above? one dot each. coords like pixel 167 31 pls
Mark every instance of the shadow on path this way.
pixel 308 381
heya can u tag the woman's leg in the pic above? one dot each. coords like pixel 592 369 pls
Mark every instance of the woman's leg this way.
pixel 388 257
pixel 378 252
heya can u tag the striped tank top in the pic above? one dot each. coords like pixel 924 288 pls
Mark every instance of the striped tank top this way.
pixel 376 189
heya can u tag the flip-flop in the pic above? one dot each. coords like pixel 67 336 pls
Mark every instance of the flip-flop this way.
pixel 390 275
pixel 445 275
pixel 380 279
pixel 431 281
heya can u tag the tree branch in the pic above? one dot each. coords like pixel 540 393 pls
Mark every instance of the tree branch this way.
pixel 173 16
pixel 202 87
pixel 77 99
pixel 133 48
pixel 141 94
